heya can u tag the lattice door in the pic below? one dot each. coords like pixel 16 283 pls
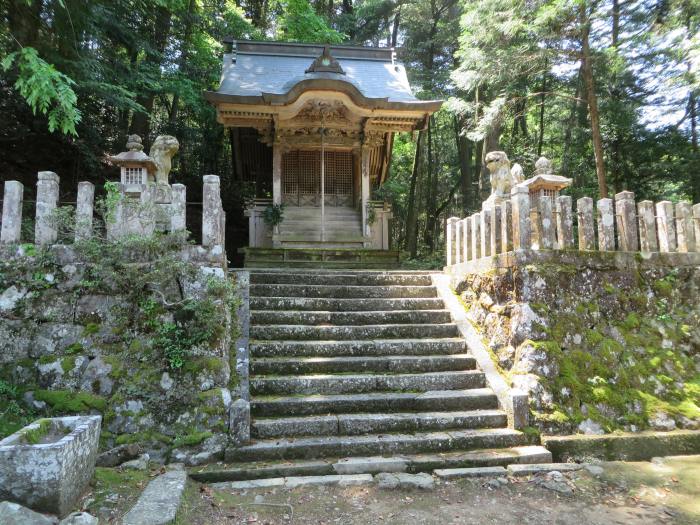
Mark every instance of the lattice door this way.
pixel 301 178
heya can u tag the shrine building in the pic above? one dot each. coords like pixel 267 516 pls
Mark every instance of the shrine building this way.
pixel 313 129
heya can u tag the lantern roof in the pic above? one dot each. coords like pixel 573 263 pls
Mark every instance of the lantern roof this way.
pixel 544 179
pixel 134 157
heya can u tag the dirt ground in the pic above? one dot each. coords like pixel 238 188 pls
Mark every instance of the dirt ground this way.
pixel 659 492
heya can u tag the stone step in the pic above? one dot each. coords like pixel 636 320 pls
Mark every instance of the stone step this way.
pixel 360 364
pixel 343 305
pixel 382 402
pixel 405 463
pixel 364 383
pixel 367 364
pixel 386 331
pixel 376 444
pixel 341 292
pixel 359 424
pixel 336 278
pixel 376 347
pixel 264 317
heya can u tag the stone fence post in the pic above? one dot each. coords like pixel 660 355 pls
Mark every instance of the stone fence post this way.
pixel 178 208
pixel 495 240
pixel 606 225
pixel 466 239
pixel 12 212
pixel 476 236
pixel 647 227
pixel 626 219
pixel 449 240
pixel 83 210
pixel 486 232
pixel 684 228
pixel 586 228
pixel 46 202
pixel 665 226
pixel 506 226
pixel 458 242
pixel 212 212
pixel 696 226
pixel 545 222
pixel 565 223
pixel 520 201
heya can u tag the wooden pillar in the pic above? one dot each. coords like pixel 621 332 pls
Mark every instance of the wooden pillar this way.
pixel 276 174
pixel 364 189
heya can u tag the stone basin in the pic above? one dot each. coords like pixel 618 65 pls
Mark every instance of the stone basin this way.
pixel 48 464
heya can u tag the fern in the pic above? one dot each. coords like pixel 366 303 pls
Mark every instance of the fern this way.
pixel 45 89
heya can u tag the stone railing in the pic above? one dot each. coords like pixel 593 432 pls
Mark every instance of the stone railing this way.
pixel 612 225
pixel 159 207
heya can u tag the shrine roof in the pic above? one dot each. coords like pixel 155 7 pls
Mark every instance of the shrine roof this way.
pixel 275 72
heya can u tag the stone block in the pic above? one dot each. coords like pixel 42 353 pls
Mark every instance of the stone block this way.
pixel 370 465
pixel 12 212
pixel 178 208
pixel 450 232
pixel 647 227
pixel 520 202
pixel 45 231
pixel 586 228
pixel 458 242
pixel 476 236
pixel 506 210
pixel 212 212
pixel 466 239
pixel 537 468
pixel 386 480
pixel 665 226
pixel 83 210
pixel 239 422
pixel 545 223
pixel 158 504
pixel 565 223
pixel 606 225
pixel 15 514
pixel 684 228
pixel 472 472
pixel 626 218
pixel 52 474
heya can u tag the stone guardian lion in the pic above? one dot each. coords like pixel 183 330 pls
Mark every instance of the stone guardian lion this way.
pixel 164 148
pixel 501 177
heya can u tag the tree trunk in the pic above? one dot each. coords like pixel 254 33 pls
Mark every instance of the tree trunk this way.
pixel 431 193
pixel 540 141
pixel 184 55
pixel 464 151
pixel 141 122
pixel 395 29
pixel 693 113
pixel 490 143
pixel 592 102
pixel 412 213
pixel 569 126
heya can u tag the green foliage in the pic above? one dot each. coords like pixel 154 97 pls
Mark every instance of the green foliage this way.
pixel 14 414
pixel 300 23
pixel 35 435
pixel 188 440
pixel 64 401
pixel 273 214
pixel 45 89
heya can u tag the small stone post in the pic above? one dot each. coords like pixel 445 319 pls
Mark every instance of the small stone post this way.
pixel 684 228
pixel 449 240
pixel 546 223
pixel 486 232
pixel 476 236
pixel 647 227
pixel 458 242
pixel 606 226
pixel 565 223
pixel 696 226
pixel 520 200
pixel 495 229
pixel 178 208
pixel 466 239
pixel 506 209
pixel 665 226
pixel 586 229
pixel 626 215
pixel 46 202
pixel 12 212
pixel 211 212
pixel 83 210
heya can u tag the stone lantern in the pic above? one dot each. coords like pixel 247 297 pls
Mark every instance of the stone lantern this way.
pixel 137 168
pixel 544 183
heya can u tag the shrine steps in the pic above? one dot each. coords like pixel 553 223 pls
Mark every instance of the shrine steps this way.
pixel 364 366
pixel 320 256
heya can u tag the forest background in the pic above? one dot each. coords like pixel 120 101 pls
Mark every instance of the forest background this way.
pixel 607 89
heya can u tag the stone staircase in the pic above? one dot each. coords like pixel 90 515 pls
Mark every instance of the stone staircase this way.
pixel 363 364
pixel 301 227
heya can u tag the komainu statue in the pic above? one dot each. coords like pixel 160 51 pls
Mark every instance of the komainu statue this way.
pixel 501 177
pixel 164 148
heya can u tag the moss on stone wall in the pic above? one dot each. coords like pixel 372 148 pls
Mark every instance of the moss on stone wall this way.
pixel 597 349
